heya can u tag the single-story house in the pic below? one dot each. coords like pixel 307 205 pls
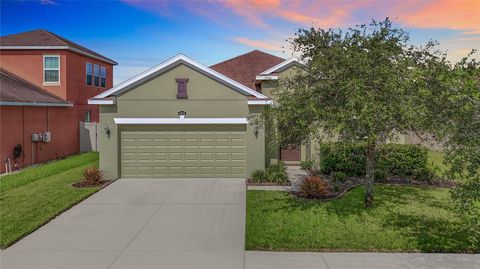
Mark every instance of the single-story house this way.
pixel 184 119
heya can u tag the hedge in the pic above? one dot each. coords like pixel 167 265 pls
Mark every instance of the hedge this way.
pixel 392 159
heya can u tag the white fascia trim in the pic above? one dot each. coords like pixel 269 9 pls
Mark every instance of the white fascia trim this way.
pixel 180 120
pixel 173 60
pixel 101 101
pixel 266 77
pixel 58 48
pixel 4 103
pixel 281 65
pixel 260 102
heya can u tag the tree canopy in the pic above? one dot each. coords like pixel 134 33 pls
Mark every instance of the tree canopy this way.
pixel 369 84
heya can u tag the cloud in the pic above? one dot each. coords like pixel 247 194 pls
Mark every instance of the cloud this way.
pixel 256 23
pixel 445 14
pixel 455 15
pixel 261 44
pixel 48 2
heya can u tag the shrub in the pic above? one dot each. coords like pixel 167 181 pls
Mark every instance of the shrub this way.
pixel 380 175
pixel 393 159
pixel 259 175
pixel 278 167
pixel 425 174
pixel 347 158
pixel 335 187
pixel 306 165
pixel 401 160
pixel 92 175
pixel 277 173
pixel 278 177
pixel 313 187
pixel 339 176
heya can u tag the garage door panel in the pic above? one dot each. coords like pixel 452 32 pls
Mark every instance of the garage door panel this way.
pixel 183 151
pixel 160 156
pixel 207 156
pixel 239 156
pixel 191 155
pixel 222 156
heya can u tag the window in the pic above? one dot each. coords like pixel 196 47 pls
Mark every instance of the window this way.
pixel 96 74
pixel 86 115
pixel 103 76
pixel 51 69
pixel 89 73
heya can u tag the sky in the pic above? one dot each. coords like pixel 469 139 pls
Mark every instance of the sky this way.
pixel 142 34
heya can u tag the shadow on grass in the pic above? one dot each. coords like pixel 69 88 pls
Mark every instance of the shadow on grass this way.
pixel 352 202
pixel 433 235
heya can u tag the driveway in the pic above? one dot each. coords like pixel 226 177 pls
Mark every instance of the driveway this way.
pixel 143 223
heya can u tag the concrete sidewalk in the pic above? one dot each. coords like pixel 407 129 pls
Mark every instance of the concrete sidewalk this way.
pixel 351 260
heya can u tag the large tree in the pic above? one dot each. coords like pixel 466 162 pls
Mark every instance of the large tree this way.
pixel 358 85
pixel 450 103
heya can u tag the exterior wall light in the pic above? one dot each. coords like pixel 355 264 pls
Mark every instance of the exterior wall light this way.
pixel 107 130
pixel 182 114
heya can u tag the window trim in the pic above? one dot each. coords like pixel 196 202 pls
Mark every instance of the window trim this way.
pixel 89 113
pixel 86 73
pixel 96 75
pixel 103 77
pixel 49 68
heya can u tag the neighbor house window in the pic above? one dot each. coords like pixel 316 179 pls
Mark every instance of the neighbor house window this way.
pixel 51 69
pixel 89 70
pixel 87 115
pixel 103 76
pixel 96 74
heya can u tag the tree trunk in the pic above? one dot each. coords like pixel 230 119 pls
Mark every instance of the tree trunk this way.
pixel 369 178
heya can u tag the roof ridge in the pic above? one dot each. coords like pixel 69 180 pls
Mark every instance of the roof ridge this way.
pixel 255 50
pixel 54 36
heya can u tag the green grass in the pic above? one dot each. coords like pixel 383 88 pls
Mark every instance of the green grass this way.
pixel 34 196
pixel 403 219
pixel 435 159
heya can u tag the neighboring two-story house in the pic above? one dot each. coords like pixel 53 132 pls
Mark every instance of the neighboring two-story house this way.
pixel 46 81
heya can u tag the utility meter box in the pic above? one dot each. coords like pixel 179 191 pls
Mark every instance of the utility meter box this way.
pixel 35 138
pixel 47 137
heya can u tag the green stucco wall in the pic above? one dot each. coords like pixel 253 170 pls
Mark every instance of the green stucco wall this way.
pixel 156 98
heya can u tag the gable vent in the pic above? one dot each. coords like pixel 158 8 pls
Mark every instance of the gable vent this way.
pixel 182 88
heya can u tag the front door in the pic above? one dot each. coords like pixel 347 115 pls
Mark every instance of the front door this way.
pixel 290 154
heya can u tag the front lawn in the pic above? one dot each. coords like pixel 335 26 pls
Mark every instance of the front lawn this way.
pixel 403 219
pixel 34 196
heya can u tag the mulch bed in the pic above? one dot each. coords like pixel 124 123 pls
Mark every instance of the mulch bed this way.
pixel 88 184
pixel 250 182
pixel 339 189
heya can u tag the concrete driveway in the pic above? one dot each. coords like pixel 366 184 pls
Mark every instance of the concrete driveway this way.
pixel 143 223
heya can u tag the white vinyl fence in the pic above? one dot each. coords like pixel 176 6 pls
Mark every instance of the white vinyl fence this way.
pixel 88 136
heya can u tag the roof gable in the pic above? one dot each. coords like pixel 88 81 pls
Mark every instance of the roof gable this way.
pixel 283 66
pixel 42 39
pixel 167 65
pixel 246 67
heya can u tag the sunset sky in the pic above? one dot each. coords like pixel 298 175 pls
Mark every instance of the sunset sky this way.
pixel 141 34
